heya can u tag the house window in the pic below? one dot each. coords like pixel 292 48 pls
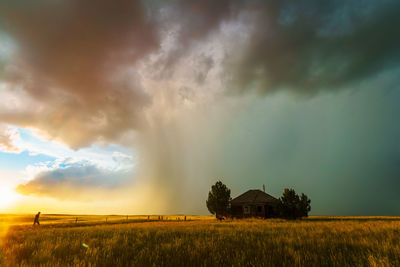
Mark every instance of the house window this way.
pixel 259 209
pixel 246 209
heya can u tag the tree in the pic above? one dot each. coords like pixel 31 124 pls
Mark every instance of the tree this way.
pixel 305 205
pixel 291 206
pixel 218 200
pixel 288 204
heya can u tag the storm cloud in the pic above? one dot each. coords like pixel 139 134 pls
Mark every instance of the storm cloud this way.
pixel 71 59
pixel 82 63
pixel 308 46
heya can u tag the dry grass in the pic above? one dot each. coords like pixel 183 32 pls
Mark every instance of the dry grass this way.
pixel 318 241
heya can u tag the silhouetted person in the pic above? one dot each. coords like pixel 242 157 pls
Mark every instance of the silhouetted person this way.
pixel 37 219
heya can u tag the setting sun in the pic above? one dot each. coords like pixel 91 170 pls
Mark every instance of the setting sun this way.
pixel 7 197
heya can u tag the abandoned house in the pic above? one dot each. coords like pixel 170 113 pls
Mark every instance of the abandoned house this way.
pixel 253 203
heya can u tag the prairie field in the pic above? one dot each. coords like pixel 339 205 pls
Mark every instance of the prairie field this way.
pixel 65 240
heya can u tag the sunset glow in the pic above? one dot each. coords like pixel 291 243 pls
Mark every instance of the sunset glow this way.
pixel 7 197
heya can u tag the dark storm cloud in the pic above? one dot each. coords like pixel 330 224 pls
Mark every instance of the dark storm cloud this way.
pixel 77 58
pixel 198 17
pixel 303 46
pixel 191 22
pixel 70 55
pixel 307 46
pixel 76 42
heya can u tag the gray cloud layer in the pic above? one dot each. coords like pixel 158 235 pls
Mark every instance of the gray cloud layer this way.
pixel 78 60
pixel 69 57
pixel 307 46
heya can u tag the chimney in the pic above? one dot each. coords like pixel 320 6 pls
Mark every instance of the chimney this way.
pixel 264 188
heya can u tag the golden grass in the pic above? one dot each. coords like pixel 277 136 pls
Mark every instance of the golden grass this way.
pixel 317 241
pixel 26 219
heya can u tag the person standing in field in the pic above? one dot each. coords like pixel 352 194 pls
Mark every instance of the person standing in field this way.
pixel 37 219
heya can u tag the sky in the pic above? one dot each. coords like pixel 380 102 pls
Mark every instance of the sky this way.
pixel 138 107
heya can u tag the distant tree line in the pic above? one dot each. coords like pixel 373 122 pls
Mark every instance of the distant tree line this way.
pixel 289 206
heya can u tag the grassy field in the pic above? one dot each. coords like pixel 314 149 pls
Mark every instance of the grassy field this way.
pixel 199 241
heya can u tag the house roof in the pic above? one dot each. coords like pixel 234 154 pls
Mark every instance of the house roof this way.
pixel 254 196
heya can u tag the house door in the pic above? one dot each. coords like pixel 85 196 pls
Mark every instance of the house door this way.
pixel 260 212
pixel 268 211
